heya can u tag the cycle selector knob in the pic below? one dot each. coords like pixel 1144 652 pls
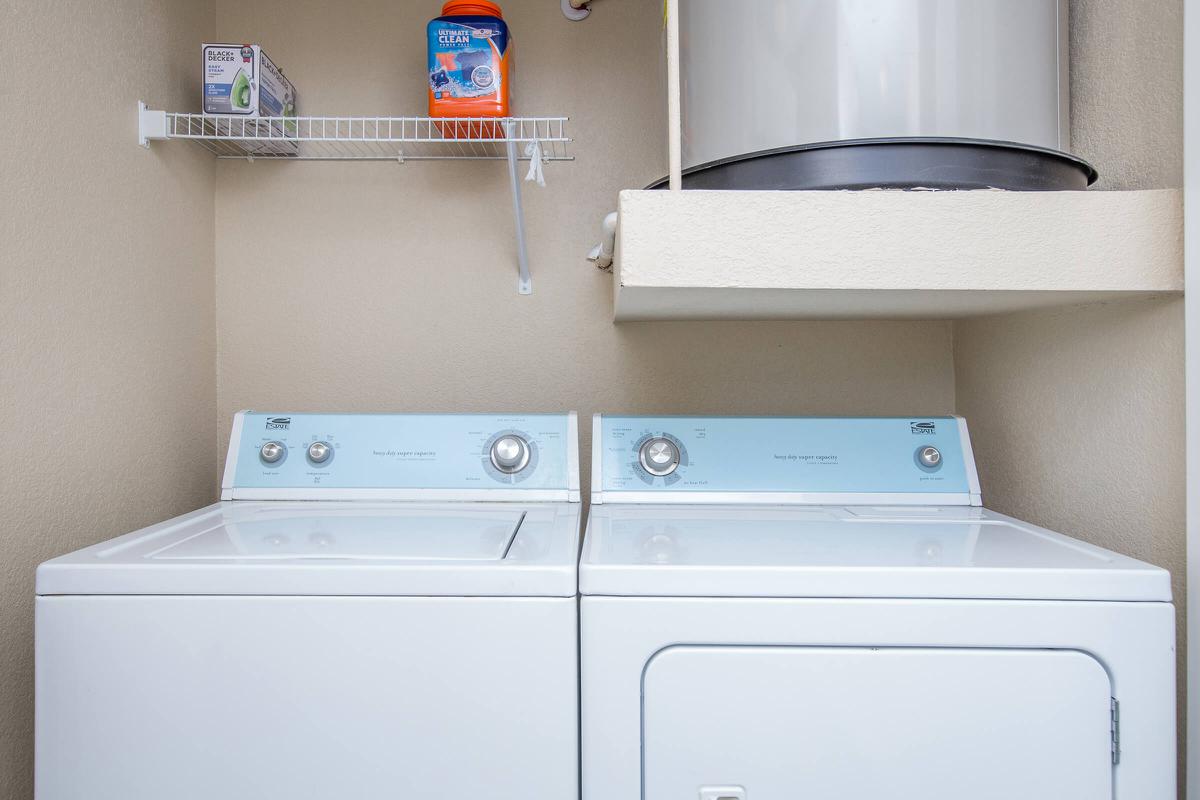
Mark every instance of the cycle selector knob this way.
pixel 930 457
pixel 510 454
pixel 659 456
pixel 320 452
pixel 272 452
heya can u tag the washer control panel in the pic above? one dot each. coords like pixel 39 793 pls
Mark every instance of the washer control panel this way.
pixel 402 451
pixel 888 457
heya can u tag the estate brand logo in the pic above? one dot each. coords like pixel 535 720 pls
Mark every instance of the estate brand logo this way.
pixel 278 423
pixel 923 428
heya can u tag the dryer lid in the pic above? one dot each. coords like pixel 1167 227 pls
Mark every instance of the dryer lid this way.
pixel 844 551
pixel 332 548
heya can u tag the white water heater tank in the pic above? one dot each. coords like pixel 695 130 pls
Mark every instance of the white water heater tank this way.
pixel 805 94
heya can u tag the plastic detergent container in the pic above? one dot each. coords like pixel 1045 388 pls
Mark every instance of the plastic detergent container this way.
pixel 470 67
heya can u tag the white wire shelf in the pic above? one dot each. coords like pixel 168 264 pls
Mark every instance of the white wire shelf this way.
pixel 363 138
pixel 394 139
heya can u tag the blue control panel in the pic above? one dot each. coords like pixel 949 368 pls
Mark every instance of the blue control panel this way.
pixel 905 455
pixel 401 451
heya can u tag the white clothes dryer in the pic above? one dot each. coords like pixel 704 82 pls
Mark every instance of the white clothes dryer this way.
pixel 821 608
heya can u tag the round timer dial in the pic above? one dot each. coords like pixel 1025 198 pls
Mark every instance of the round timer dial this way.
pixel 510 454
pixel 659 456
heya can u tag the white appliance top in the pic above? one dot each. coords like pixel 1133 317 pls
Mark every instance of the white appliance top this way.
pixel 821 507
pixel 335 548
pixel 848 551
pixel 469 505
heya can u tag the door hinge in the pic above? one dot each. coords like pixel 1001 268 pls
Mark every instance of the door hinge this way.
pixel 1115 729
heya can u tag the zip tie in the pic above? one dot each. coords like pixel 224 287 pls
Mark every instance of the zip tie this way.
pixel 534 151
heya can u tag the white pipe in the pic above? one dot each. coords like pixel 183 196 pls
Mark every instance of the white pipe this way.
pixel 674 122
pixel 603 253
pixel 524 282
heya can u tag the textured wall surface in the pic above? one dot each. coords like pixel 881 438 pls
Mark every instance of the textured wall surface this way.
pixel 394 287
pixel 1077 415
pixel 106 302
pixel 989 240
pixel 1076 418
pixel 1127 91
pixel 784 255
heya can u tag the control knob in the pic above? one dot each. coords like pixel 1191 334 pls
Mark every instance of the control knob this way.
pixel 659 456
pixel 929 457
pixel 272 452
pixel 510 453
pixel 319 452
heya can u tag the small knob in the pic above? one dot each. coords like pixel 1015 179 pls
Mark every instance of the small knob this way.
pixel 272 452
pixel 510 453
pixel 929 457
pixel 319 452
pixel 659 456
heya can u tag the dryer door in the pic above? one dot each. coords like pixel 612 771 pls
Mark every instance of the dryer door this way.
pixel 850 723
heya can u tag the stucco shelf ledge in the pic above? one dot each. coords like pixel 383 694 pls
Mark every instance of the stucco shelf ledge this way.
pixel 733 255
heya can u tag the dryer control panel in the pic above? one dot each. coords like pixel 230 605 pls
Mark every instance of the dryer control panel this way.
pixel 820 460
pixel 402 456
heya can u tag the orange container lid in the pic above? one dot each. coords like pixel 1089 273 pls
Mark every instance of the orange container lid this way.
pixel 483 8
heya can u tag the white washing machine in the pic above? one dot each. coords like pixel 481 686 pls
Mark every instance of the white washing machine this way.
pixel 381 606
pixel 821 609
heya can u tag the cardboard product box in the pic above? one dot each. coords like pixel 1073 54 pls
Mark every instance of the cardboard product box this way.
pixel 241 80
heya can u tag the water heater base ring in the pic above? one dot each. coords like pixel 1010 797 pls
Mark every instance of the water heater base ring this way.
pixel 909 163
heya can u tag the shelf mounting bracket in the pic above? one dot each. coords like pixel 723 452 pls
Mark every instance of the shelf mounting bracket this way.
pixel 524 282
pixel 152 125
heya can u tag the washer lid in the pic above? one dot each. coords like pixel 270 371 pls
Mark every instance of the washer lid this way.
pixel 335 548
pixel 835 551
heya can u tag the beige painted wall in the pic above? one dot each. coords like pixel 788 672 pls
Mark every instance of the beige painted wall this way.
pixel 1127 91
pixel 106 302
pixel 1077 420
pixel 1077 415
pixel 375 294
pixel 365 297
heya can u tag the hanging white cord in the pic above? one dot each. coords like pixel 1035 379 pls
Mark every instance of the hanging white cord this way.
pixel 534 151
